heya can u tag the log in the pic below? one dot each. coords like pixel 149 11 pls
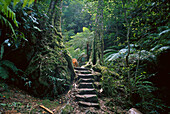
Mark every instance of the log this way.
pixel 51 112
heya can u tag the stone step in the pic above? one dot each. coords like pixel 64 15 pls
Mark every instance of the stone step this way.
pixel 85 76
pixel 85 85
pixel 88 104
pixel 86 80
pixel 87 98
pixel 86 91
pixel 80 68
pixel 83 71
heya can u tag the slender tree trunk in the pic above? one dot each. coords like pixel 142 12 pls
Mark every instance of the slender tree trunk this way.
pixel 96 56
pixel 127 56
pixel 127 35
pixel 102 34
pixel 87 51
pixel 98 38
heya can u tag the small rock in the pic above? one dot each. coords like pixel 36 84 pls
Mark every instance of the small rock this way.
pixel 134 111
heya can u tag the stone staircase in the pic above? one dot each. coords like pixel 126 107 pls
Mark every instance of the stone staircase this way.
pixel 86 89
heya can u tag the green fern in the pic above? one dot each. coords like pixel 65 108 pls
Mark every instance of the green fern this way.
pixel 108 53
pixel 3 73
pixel 8 13
pixel 9 65
pixel 78 41
pixel 5 20
pixel 4 66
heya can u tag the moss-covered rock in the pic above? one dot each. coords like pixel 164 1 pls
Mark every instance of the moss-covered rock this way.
pixel 45 62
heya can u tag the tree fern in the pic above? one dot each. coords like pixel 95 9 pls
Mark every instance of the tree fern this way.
pixel 80 39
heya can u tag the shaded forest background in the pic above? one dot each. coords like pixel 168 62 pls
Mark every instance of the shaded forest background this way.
pixel 127 41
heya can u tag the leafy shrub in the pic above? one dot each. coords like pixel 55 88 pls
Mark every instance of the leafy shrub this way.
pixel 133 91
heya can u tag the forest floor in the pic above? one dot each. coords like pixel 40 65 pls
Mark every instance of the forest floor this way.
pixel 16 101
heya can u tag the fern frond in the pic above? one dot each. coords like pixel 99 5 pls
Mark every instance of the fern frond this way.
pixel 10 65
pixel 8 13
pixel 112 57
pixel 4 20
pixel 110 50
pixel 15 2
pixel 24 3
pixel 3 73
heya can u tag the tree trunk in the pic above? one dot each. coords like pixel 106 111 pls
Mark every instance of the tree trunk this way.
pixel 52 61
pixel 96 56
pixel 87 51
pixel 98 44
pixel 127 35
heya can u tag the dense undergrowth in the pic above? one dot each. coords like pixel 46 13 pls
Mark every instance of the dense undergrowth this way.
pixel 143 83
pixel 33 56
pixel 136 43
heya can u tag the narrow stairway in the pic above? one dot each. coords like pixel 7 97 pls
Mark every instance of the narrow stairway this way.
pixel 86 92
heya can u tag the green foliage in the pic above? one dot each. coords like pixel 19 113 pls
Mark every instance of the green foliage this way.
pixel 75 16
pixel 4 73
pixel 81 39
pixel 7 13
pixel 5 20
pixel 5 65
pixel 149 29
pixel 67 109
pixel 78 43
pixel 130 91
pixel 76 53
pixel 13 104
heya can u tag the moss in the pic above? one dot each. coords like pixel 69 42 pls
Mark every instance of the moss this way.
pixel 67 109
pixel 45 61
pixel 54 66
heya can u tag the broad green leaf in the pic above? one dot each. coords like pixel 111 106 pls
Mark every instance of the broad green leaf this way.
pixel 85 29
